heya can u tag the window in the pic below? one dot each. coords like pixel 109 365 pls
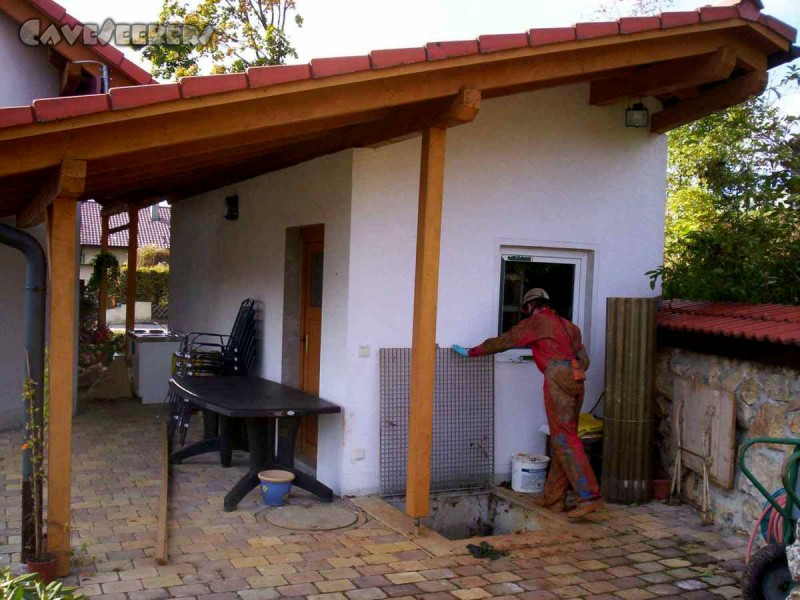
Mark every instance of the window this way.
pixel 562 273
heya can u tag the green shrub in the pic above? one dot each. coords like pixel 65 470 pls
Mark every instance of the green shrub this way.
pixel 30 587
pixel 150 256
pixel 152 284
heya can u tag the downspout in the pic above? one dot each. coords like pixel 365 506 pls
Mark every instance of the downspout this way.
pixel 35 286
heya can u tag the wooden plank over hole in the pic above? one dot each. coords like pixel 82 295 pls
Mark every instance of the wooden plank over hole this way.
pixel 162 548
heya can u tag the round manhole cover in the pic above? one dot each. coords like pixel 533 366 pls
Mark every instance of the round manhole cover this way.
pixel 317 517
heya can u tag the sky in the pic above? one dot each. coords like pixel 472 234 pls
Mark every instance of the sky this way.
pixel 349 27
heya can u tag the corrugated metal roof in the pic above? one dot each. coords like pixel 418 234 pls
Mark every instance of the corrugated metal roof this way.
pixel 151 233
pixel 775 323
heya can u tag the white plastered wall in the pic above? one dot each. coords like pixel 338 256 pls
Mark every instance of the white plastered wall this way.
pixel 215 264
pixel 25 74
pixel 541 169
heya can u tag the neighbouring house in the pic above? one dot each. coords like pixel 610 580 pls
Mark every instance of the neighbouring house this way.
pixel 310 189
pixel 29 73
pixel 738 365
pixel 154 230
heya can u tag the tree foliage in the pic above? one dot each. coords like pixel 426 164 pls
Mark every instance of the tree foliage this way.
pixel 150 256
pixel 733 218
pixel 245 33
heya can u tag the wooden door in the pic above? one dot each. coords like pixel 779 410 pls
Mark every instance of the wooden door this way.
pixel 311 333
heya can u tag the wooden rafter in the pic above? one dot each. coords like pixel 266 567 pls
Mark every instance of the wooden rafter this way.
pixel 715 98
pixel 654 80
pixel 68 180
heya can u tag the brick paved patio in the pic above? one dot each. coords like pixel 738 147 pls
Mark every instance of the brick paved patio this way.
pixel 653 551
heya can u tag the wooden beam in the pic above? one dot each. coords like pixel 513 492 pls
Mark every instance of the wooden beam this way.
pixel 240 165
pixel 133 251
pixel 423 344
pixel 63 245
pixel 659 79
pixel 714 99
pixel 66 181
pixel 108 134
pixel 102 291
pixel 162 549
pixel 118 228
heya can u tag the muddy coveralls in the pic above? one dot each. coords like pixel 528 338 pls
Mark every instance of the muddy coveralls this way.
pixel 554 342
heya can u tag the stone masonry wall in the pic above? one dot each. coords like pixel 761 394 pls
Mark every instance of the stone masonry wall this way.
pixel 767 404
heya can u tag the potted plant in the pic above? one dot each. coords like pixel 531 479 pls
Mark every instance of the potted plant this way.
pixel 39 562
pixel 31 587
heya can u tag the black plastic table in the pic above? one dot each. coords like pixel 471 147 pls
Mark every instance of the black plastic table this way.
pixel 269 409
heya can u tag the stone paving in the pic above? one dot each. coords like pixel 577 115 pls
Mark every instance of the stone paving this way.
pixel 652 551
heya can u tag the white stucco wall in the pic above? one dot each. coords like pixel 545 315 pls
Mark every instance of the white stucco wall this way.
pixel 215 264
pixel 26 72
pixel 541 169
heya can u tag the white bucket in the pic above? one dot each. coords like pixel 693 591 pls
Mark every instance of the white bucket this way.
pixel 528 473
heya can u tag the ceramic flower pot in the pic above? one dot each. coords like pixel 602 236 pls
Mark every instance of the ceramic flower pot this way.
pixel 45 566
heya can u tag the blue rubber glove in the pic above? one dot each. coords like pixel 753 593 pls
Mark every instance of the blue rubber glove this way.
pixel 461 350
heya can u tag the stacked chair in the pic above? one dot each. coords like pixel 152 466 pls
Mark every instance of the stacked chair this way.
pixel 212 355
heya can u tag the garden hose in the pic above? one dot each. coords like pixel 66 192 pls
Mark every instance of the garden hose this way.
pixel 770 524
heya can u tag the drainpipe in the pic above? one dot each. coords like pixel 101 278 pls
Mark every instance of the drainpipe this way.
pixel 35 285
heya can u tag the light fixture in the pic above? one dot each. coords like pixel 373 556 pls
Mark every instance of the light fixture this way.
pixel 637 115
pixel 232 208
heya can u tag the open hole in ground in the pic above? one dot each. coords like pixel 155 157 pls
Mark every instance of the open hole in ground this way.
pixel 462 515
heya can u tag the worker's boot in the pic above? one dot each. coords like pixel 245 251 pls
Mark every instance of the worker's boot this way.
pixel 584 508
pixel 542 501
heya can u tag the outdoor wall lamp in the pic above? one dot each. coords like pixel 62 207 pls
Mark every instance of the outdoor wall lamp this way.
pixel 637 115
pixel 232 208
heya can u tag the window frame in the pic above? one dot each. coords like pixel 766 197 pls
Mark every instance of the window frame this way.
pixel 580 258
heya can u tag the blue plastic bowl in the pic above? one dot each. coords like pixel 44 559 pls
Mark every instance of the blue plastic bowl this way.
pixel 275 486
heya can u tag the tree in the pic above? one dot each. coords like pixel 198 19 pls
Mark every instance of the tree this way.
pixel 733 207
pixel 243 33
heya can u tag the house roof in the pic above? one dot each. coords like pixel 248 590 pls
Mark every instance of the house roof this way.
pixel 151 233
pixel 123 71
pixel 775 323
pixel 259 77
pixel 143 143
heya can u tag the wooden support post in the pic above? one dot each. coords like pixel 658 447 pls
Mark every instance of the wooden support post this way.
pixel 63 242
pixel 423 346
pixel 162 548
pixel 133 247
pixel 102 292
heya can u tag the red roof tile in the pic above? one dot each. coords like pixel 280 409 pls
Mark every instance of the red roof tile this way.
pixel 151 233
pixel 679 18
pixel 637 24
pixel 505 41
pixel 774 323
pixel 141 95
pixel 50 109
pixel 263 76
pixel 257 77
pixel 383 59
pixel 585 31
pixel 551 35
pixel 442 50
pixel 204 85
pixel 338 65
pixel 718 13
pixel 16 115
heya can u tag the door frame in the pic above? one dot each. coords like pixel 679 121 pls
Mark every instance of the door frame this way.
pixel 309 235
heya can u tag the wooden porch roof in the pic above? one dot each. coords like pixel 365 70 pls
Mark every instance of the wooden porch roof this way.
pixel 140 144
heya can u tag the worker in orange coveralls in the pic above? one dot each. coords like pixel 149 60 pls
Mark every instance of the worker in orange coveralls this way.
pixel 558 352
